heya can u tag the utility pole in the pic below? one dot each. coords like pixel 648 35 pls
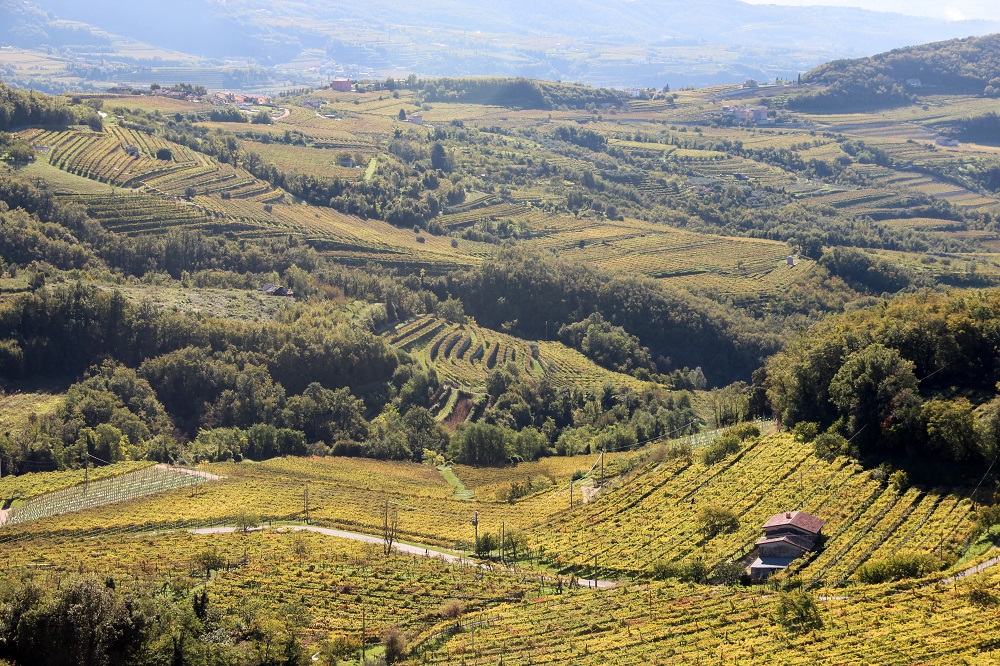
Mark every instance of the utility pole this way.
pixel 363 627
pixel 305 500
pixel 602 466
pixel 595 571
pixel 571 494
pixel 475 524
pixel 86 476
pixel 502 532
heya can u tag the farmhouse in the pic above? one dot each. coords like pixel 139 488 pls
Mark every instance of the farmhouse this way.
pixel 275 290
pixel 787 536
pixel 341 85
pixel 945 141
pixel 748 114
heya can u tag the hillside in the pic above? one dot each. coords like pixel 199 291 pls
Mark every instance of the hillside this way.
pixel 656 519
pixel 495 369
pixel 326 577
pixel 970 65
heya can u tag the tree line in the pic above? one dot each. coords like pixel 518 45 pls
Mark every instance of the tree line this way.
pixel 913 378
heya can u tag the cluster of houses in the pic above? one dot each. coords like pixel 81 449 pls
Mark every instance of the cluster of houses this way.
pixel 241 100
pixel 123 89
pixel 175 94
pixel 757 115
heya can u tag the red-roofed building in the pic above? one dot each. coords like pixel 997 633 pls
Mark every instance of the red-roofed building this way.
pixel 786 536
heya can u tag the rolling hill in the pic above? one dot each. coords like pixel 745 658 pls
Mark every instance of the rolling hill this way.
pixel 970 65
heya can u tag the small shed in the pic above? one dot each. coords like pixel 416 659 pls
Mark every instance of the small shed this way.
pixel 275 290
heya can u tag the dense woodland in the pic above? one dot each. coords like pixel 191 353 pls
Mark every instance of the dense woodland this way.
pixel 915 377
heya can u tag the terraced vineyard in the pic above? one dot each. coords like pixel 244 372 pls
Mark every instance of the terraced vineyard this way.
pixel 663 623
pixel 463 354
pixel 102 156
pixel 228 199
pixel 323 576
pixel 137 213
pixel 654 517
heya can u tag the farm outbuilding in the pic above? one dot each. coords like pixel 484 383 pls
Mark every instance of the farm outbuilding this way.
pixel 275 290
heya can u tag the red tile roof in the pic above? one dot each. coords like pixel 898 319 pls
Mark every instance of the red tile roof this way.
pixel 798 542
pixel 799 519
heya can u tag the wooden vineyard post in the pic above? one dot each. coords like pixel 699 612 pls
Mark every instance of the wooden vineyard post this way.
pixel 363 635
pixel 602 467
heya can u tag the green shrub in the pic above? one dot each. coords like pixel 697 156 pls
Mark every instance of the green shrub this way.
pixel 797 610
pixel 830 444
pixel 714 520
pixel 692 571
pixel 899 481
pixel 745 431
pixel 897 567
pixel 662 570
pixel 728 573
pixel 805 431
pixel 724 445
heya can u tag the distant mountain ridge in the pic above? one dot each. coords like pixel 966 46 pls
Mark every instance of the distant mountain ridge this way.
pixel 610 42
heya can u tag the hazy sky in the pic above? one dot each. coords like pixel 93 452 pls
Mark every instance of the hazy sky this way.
pixel 954 10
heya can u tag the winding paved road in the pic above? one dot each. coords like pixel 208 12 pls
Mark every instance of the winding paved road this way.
pixel 992 562
pixel 409 549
